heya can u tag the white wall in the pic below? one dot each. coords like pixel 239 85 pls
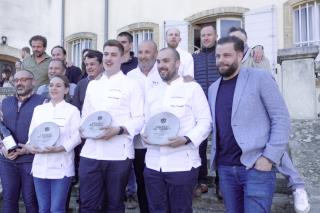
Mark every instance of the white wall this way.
pixel 22 19
pixel 85 16
pixel 124 12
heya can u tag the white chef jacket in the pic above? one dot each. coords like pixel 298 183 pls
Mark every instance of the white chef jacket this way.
pixel 188 102
pixel 61 164
pixel 186 63
pixel 123 99
pixel 146 83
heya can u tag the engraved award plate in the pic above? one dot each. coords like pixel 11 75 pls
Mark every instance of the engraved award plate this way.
pixel 93 125
pixel 162 126
pixel 46 134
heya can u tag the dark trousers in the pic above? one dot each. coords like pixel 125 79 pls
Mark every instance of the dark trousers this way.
pixel 103 180
pixel 16 177
pixel 139 166
pixel 77 151
pixel 170 191
pixel 203 169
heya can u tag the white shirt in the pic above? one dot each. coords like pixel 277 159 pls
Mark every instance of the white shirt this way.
pixel 123 99
pixel 188 102
pixel 61 164
pixel 146 83
pixel 186 63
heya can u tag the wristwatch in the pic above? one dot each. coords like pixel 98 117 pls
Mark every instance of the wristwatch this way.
pixel 188 140
pixel 121 130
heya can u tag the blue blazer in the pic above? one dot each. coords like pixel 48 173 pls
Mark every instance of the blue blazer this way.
pixel 260 120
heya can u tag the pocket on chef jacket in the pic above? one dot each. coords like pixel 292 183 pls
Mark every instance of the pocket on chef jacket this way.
pixel 177 106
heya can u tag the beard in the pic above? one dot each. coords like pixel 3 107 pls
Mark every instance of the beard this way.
pixel 166 75
pixel 38 53
pixel 23 91
pixel 229 71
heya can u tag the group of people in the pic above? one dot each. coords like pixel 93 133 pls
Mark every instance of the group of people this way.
pixel 218 90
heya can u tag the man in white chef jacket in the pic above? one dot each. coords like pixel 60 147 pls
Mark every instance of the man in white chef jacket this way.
pixel 105 162
pixel 172 170
pixel 147 76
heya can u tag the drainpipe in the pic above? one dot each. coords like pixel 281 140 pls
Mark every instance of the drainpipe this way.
pixel 62 21
pixel 106 20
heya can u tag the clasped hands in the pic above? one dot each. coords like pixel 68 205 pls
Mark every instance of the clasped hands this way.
pixel 172 142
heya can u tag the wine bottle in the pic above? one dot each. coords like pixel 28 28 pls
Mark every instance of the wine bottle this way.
pixel 8 141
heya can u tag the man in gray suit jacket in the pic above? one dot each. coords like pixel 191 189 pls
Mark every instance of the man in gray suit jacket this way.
pixel 250 132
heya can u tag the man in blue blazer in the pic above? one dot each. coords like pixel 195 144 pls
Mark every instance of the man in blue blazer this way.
pixel 250 132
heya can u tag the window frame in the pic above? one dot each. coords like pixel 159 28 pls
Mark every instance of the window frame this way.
pixel 226 18
pixel 313 23
pixel 140 26
pixel 71 40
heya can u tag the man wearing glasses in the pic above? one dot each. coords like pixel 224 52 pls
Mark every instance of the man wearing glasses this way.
pixel 15 166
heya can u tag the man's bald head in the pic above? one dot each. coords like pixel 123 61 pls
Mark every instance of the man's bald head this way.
pixel 147 54
pixel 173 37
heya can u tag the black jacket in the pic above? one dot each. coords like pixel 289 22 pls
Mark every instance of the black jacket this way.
pixel 205 69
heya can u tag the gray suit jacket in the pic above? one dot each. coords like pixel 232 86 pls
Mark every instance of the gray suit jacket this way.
pixel 260 119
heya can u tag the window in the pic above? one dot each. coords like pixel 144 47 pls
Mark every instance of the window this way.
pixel 75 43
pixel 224 24
pixel 306 24
pixel 77 46
pixel 142 31
pixel 139 36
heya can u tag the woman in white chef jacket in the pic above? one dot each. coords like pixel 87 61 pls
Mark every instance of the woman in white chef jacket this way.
pixel 53 167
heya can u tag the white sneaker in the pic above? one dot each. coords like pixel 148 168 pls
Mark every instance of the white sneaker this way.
pixel 300 199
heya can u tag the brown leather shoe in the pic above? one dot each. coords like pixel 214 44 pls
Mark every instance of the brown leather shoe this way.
pixel 200 189
pixel 204 188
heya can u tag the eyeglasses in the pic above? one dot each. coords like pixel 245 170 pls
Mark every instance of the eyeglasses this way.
pixel 23 80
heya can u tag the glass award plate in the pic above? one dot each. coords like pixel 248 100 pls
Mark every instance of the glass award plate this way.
pixel 46 134
pixel 93 125
pixel 162 126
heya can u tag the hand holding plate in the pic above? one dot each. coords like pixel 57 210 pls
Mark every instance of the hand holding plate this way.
pixel 109 132
pixel 176 141
pixel 145 139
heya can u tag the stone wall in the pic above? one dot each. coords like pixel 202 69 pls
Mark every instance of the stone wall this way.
pixel 298 83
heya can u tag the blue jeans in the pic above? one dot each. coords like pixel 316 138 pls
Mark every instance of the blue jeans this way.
pixel 14 178
pixel 246 190
pixel 52 194
pixel 287 168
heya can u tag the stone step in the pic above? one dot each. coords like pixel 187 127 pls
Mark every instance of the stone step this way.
pixel 209 203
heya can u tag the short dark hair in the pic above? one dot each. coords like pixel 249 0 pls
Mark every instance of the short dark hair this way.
pixel 38 38
pixel 114 43
pixel 95 54
pixel 174 51
pixel 85 50
pixel 236 29
pixel 126 34
pixel 208 25
pixel 26 49
pixel 61 61
pixel 60 47
pixel 237 42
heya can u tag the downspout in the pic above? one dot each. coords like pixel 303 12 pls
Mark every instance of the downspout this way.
pixel 106 21
pixel 62 21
